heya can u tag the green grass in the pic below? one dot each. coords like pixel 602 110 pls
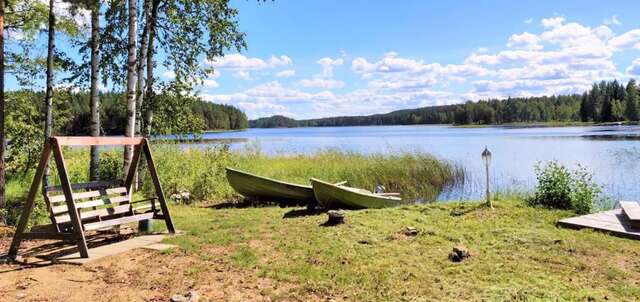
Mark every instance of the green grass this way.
pixel 517 253
pixel 201 171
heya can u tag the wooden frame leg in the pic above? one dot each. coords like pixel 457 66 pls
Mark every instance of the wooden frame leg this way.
pixel 68 193
pixel 28 207
pixel 156 183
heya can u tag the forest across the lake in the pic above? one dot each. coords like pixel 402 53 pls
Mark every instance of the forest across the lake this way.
pixel 606 101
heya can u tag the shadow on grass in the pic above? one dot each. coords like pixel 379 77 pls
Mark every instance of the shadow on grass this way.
pixel 251 203
pixel 303 213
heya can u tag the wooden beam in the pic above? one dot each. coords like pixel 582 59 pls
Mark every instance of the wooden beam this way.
pixel 57 236
pixel 68 193
pixel 156 183
pixel 133 168
pixel 28 206
pixel 97 140
pixel 94 185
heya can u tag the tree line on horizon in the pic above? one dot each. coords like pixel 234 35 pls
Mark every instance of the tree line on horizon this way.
pixel 606 101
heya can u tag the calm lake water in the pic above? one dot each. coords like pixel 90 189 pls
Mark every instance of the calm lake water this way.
pixel 612 153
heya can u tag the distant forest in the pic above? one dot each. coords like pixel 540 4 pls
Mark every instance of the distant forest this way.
pixel 607 101
pixel 73 113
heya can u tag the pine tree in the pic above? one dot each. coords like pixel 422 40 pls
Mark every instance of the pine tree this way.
pixel 606 113
pixel 631 101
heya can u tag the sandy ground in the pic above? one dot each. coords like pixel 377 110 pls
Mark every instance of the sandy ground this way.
pixel 141 275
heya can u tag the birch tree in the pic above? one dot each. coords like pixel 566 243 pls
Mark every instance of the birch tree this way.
pixel 131 79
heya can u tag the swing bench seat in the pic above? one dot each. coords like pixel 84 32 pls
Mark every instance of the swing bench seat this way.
pixel 75 209
pixel 100 204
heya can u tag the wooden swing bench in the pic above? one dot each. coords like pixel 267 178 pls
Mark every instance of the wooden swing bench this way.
pixel 75 209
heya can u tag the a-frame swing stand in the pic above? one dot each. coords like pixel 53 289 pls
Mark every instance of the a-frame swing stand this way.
pixel 78 208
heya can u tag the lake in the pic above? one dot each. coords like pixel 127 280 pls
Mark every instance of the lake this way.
pixel 611 153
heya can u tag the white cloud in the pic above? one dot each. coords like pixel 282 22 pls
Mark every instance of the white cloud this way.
pixel 279 61
pixel 241 75
pixel 526 41
pixel 210 83
pixel 612 21
pixel 552 22
pixel 319 82
pixel 482 50
pixel 630 39
pixel 528 21
pixel 634 69
pixel 328 64
pixel 286 73
pixel 240 62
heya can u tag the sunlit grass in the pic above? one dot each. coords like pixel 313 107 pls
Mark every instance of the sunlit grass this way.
pixel 517 253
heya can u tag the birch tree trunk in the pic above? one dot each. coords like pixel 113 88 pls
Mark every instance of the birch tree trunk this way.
pixel 131 82
pixel 94 169
pixel 142 60
pixel 48 97
pixel 150 95
pixel 2 138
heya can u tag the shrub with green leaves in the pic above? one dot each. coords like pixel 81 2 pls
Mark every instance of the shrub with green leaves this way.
pixel 561 188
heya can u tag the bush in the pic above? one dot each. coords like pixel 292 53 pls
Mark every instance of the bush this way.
pixel 560 188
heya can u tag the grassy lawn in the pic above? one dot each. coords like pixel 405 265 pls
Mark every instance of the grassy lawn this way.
pixel 517 253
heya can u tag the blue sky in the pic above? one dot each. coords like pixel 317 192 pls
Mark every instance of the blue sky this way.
pixel 309 59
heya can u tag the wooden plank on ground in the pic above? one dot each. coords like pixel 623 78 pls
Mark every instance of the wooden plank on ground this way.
pixel 632 210
pixel 613 222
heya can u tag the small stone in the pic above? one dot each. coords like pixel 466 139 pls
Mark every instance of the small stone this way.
pixel 179 298
pixel 21 296
pixel 193 296
pixel 411 231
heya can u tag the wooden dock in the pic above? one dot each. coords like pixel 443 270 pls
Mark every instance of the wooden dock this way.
pixel 615 222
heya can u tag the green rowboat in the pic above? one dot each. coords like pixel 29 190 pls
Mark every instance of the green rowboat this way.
pixel 267 189
pixel 335 196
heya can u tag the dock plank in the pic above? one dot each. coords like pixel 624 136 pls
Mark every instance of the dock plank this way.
pixel 614 222
pixel 632 210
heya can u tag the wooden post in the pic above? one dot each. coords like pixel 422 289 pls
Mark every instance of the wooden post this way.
pixel 156 183
pixel 68 194
pixel 28 207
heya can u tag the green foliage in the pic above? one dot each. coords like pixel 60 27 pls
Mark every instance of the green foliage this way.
pixel 201 171
pixel 173 114
pixel 560 188
pixel 631 101
pixel 111 164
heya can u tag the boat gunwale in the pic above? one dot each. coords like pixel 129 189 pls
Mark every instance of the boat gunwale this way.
pixel 345 188
pixel 269 179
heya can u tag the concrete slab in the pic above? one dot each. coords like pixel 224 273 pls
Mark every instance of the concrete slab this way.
pixel 112 249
